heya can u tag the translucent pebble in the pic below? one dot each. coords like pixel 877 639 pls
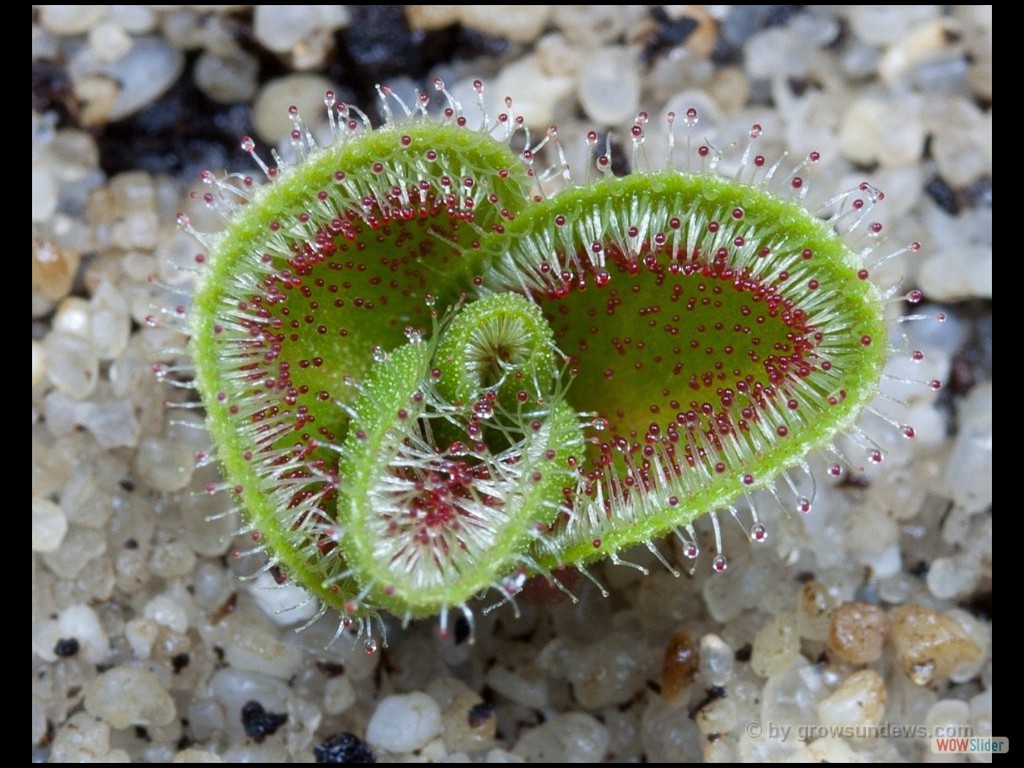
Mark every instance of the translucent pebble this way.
pixel 73 316
pixel 164 465
pixel 112 422
pixel 718 716
pixel 814 609
pixel 885 563
pixel 777 52
pixel 572 737
pixel 45 636
pixel 172 559
pixel 981 713
pixel 859 700
pixel 930 645
pixel 145 73
pixel 530 692
pixel 131 192
pixel 949 717
pixel 717 660
pixel 776 647
pixel 38 362
pixel 793 696
pixel 82 623
pixel 228 78
pixel 557 56
pixel 668 735
pixel 137 78
pixel 270 110
pixel 870 531
pixel 285 604
pixel 232 688
pixel 137 230
pixel 281 27
pixel 70 19
pixel 109 41
pixel 197 756
pixel 955 274
pixel 886 24
pixel 535 94
pixel 468 724
pixel 339 695
pixel 80 547
pixel 141 635
pixel 165 610
pixel 136 19
pixel 44 195
pixel 126 696
pixel 73 366
pixel 980 632
pixel 49 525
pixel 257 650
pixel 826 750
pixel 82 739
pixel 949 577
pixel 932 41
pixel 609 88
pixel 969 468
pixel 609 671
pixel 857 632
pixel 873 131
pixel 403 723
pixel 502 756
pixel 519 23
pixel 212 585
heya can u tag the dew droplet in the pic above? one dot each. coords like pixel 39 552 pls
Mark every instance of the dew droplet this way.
pixel 719 564
pixel 370 646
pixel 803 504
pixel 483 408
pixel 758 533
pixel 600 424
pixel 414 335
pixel 379 355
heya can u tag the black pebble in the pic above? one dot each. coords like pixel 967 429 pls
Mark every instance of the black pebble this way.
pixel 259 723
pixel 343 748
pixel 66 646
pixel 943 195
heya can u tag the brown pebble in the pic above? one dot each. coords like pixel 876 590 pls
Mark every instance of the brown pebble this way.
pixel 929 645
pixel 53 268
pixel 856 632
pixel 679 666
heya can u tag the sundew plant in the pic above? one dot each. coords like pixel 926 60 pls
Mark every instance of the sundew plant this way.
pixel 436 364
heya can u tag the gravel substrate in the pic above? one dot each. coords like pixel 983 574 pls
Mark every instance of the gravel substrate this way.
pixel 857 633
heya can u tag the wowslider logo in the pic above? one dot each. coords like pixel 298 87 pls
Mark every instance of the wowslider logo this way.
pixel 961 745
